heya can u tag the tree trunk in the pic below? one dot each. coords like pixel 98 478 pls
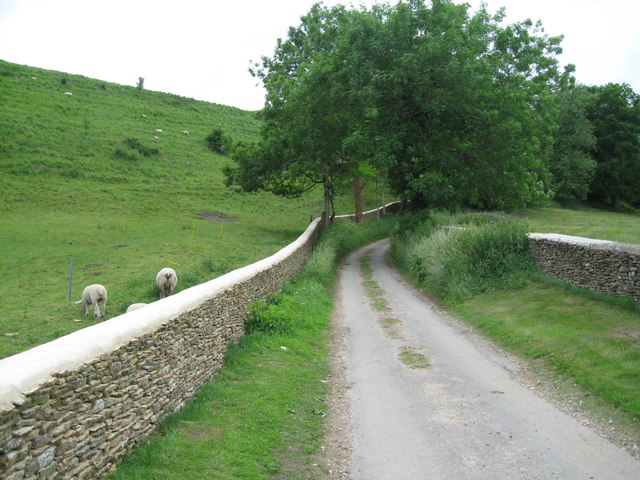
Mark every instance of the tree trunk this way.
pixel 615 201
pixel 357 190
pixel 326 182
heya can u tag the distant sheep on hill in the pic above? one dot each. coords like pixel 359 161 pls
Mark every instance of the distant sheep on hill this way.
pixel 68 94
pixel 94 295
pixel 135 306
pixel 185 133
pixel 166 280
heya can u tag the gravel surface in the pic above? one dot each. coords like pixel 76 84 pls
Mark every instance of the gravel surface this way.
pixel 474 412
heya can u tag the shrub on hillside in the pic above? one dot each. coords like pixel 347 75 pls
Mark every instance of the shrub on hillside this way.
pixel 218 142
pixel 133 149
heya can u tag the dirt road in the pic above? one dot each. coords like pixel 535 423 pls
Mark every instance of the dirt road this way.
pixel 427 401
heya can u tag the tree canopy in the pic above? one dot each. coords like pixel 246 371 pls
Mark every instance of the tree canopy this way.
pixel 615 115
pixel 454 107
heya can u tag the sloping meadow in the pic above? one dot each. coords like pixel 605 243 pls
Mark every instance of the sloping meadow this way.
pixel 116 183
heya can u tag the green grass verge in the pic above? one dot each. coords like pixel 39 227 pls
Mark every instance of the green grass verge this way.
pixel 261 416
pixel 593 341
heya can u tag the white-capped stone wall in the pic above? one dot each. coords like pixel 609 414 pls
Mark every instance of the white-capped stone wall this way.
pixel 71 408
pixel 393 207
pixel 606 267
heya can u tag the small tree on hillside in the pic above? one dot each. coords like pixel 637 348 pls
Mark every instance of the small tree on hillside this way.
pixel 218 142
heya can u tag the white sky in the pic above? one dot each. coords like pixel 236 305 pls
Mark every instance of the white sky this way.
pixel 203 48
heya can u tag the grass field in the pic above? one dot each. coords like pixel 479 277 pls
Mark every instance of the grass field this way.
pixel 83 179
pixel 584 221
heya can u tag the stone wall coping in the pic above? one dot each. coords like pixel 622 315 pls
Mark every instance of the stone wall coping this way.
pixel 368 212
pixel 587 242
pixel 24 372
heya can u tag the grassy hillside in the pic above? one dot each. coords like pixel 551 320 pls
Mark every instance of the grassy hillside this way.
pixel 83 178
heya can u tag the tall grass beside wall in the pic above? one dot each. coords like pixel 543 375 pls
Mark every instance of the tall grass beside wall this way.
pixel 262 415
pixel 459 255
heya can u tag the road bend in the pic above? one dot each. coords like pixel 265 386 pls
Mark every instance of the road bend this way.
pixel 464 416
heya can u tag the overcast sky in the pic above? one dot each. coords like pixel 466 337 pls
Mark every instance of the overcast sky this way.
pixel 203 48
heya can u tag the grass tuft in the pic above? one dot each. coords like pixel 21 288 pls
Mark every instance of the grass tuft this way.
pixel 413 358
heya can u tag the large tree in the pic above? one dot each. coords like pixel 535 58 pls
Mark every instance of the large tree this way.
pixel 453 106
pixel 467 102
pixel 571 163
pixel 615 115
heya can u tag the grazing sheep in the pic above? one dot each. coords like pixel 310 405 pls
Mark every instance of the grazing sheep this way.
pixel 166 279
pixel 158 130
pixel 135 306
pixel 93 295
pixel 155 137
pixel 185 133
pixel 68 94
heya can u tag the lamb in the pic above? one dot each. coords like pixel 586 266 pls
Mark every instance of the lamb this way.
pixel 135 306
pixel 93 295
pixel 166 279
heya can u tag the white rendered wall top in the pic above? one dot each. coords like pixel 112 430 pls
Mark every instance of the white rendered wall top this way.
pixel 587 242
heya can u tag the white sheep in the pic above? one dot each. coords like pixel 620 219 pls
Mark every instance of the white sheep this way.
pixel 68 94
pixel 158 130
pixel 93 295
pixel 185 133
pixel 166 279
pixel 135 306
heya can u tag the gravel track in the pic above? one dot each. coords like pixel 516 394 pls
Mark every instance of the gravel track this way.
pixel 467 415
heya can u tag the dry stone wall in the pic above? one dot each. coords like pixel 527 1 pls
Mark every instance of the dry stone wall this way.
pixel 606 267
pixel 70 409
